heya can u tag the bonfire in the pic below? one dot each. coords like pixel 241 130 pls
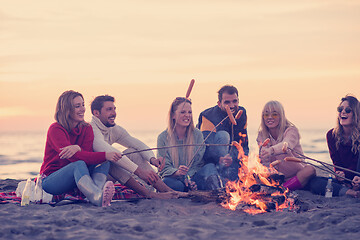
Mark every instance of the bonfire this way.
pixel 257 190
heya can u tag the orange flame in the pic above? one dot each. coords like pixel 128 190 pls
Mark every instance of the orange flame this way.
pixel 253 173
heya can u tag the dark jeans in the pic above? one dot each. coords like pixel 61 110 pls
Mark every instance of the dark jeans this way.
pixel 317 185
pixel 178 184
pixel 213 153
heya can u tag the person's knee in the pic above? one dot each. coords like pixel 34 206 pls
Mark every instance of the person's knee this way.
pixel 309 171
pixel 222 137
pixel 80 164
pixel 209 169
pixel 174 184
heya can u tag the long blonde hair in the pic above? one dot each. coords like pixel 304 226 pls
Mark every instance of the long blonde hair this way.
pixel 189 138
pixel 284 123
pixel 65 107
pixel 338 131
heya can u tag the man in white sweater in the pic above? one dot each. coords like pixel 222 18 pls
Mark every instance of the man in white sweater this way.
pixel 106 132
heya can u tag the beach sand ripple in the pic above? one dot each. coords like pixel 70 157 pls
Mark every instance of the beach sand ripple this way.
pixel 317 218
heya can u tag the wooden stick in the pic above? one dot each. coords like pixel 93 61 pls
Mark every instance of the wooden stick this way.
pixel 182 145
pixel 294 159
pixel 191 161
pixel 321 162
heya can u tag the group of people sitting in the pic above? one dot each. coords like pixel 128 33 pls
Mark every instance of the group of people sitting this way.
pixel 80 155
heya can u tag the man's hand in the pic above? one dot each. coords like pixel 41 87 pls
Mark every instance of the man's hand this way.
pixel 148 176
pixel 340 176
pixel 113 156
pixel 356 183
pixel 69 151
pixel 225 160
pixel 158 162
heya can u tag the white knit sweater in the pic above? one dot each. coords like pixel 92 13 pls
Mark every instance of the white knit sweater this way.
pixel 104 137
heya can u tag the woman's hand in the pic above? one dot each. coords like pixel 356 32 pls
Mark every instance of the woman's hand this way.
pixel 113 156
pixel 266 152
pixel 340 176
pixel 182 171
pixel 69 151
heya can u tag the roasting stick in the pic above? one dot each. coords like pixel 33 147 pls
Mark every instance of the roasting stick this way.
pixel 324 164
pixel 294 159
pixel 228 116
pixel 182 145
pixel 328 164
pixel 276 162
pixel 285 148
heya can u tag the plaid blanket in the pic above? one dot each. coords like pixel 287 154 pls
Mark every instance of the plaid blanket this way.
pixel 121 193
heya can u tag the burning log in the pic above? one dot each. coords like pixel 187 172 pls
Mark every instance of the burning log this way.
pixel 266 189
pixel 217 196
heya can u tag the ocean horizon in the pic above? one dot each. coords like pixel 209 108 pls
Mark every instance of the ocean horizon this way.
pixel 21 153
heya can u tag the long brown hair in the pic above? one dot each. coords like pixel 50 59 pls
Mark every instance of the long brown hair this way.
pixel 65 107
pixel 189 139
pixel 338 131
pixel 284 123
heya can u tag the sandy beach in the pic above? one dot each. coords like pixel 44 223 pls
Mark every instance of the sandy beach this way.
pixel 316 218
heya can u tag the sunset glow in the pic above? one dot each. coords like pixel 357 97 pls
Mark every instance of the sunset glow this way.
pixel 303 54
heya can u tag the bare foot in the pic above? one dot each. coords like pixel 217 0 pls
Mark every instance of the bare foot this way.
pixel 108 193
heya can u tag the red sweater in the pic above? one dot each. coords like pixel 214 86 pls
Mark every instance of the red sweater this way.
pixel 58 137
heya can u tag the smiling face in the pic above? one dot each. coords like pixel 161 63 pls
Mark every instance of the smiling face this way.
pixel 107 114
pixel 183 114
pixel 230 100
pixel 345 114
pixel 271 118
pixel 77 114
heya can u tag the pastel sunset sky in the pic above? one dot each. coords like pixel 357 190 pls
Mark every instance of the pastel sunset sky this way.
pixel 305 54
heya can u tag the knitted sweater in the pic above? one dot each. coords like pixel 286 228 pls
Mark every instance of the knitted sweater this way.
pixel 106 136
pixel 58 137
pixel 292 137
pixel 170 167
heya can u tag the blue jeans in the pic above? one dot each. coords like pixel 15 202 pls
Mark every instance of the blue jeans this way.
pixel 213 153
pixel 65 179
pixel 178 184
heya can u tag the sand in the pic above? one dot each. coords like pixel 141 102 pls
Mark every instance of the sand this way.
pixel 317 218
